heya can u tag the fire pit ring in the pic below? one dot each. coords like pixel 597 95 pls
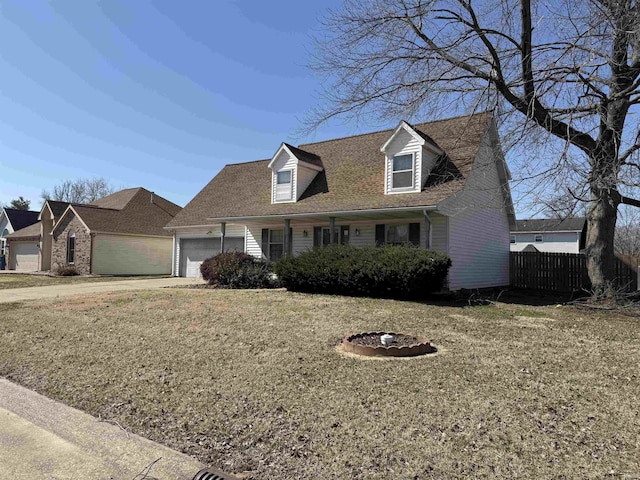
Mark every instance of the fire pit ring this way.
pixel 369 344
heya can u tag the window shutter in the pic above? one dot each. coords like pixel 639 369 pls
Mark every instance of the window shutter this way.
pixel 380 234
pixel 290 242
pixel 344 234
pixel 265 243
pixel 414 234
pixel 317 236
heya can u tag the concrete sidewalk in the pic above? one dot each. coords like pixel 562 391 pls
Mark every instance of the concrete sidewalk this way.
pixel 54 291
pixel 44 439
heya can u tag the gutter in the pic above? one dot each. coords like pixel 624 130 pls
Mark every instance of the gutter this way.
pixel 430 208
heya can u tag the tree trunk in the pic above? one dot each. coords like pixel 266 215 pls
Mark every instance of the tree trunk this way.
pixel 601 225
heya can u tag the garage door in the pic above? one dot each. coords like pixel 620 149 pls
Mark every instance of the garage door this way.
pixel 24 256
pixel 194 251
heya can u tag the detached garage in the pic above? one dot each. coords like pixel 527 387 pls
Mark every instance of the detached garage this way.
pixel 120 234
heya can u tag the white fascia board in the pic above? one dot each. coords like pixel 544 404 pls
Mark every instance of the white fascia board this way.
pixel 4 214
pixel 403 126
pixel 540 232
pixel 284 147
pixel 428 208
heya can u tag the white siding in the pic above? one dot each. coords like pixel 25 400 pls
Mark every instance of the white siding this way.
pixel 200 232
pixel 301 177
pixel 284 161
pixel 428 162
pixel 478 225
pixel 402 144
pixel 366 229
pixel 4 225
pixel 439 233
pixel 131 255
pixel 553 242
pixel 254 240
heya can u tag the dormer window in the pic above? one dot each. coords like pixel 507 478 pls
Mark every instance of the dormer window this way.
pixel 284 185
pixel 403 172
pixel 293 170
pixel 410 157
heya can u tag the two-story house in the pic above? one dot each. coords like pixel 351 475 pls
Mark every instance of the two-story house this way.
pixel 441 185
pixel 551 235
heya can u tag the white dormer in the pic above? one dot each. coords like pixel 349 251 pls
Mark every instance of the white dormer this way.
pixel 409 159
pixel 293 170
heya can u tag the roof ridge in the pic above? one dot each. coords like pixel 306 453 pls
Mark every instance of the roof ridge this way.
pixel 413 125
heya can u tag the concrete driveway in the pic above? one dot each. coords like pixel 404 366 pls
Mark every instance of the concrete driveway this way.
pixel 44 439
pixel 53 291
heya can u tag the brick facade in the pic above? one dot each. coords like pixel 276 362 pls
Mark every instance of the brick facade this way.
pixel 82 258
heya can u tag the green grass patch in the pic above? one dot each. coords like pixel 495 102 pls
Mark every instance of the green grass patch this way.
pixel 251 382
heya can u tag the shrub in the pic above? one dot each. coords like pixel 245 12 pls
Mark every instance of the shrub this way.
pixel 66 271
pixel 396 271
pixel 237 270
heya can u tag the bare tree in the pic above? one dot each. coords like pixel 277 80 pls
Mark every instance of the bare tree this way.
pixel 566 70
pixel 79 191
pixel 627 239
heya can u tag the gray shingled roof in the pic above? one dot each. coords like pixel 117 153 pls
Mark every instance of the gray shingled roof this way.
pixel 32 230
pixel 133 211
pixel 352 179
pixel 573 224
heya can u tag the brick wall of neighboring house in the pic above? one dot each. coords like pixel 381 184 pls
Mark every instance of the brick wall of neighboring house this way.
pixel 82 260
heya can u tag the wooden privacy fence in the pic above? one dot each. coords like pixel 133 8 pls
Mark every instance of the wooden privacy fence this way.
pixel 562 272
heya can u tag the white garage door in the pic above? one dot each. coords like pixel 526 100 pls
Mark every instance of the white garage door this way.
pixel 193 251
pixel 24 256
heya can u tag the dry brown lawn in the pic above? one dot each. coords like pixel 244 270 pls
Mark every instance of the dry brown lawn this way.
pixel 17 280
pixel 252 383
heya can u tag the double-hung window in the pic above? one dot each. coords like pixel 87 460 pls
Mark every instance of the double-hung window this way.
pixel 71 247
pixel 402 175
pixel 322 235
pixel 284 185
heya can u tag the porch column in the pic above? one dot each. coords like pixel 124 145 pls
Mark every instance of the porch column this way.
pixel 223 231
pixel 332 229
pixel 427 229
pixel 287 237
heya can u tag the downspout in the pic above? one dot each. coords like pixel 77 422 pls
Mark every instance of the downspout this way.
pixel 173 256
pixel 91 235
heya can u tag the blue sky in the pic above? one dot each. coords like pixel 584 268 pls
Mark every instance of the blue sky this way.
pixel 154 94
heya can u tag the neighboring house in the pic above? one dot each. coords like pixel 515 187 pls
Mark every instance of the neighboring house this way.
pixel 549 235
pixel 12 220
pixel 440 185
pixel 35 241
pixel 120 234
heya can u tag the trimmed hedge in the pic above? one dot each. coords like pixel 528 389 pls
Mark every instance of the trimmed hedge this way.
pixel 397 271
pixel 237 270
